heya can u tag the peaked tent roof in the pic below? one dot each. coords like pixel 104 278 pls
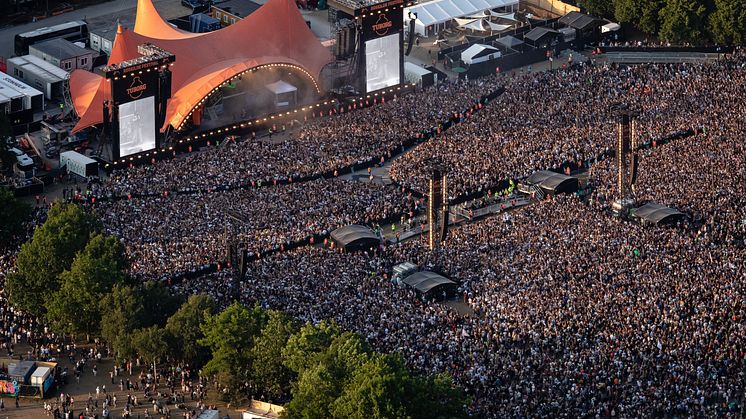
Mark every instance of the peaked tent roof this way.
pixel 475 51
pixel 274 34
pixel 439 11
pixel 426 281
pixel 657 213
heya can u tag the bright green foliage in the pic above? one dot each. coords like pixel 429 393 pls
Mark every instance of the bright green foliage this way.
pixel 230 336
pixel 76 307
pixel 151 343
pixel 305 347
pixel 269 372
pixel 727 24
pixel 13 213
pixel 185 332
pixel 682 21
pixel 50 252
pixel 122 311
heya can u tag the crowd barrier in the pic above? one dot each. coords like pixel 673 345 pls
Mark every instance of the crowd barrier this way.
pixel 652 49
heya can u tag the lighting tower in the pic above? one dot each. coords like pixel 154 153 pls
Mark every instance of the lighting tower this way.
pixel 626 157
pixel 437 206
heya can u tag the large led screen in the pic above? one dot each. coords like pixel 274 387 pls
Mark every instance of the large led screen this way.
pixel 382 62
pixel 137 126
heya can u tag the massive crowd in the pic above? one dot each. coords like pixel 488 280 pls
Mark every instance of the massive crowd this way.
pixel 564 310
pixel 181 233
pixel 547 119
pixel 574 312
pixel 321 145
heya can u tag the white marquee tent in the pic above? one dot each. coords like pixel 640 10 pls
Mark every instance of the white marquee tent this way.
pixel 438 12
pixel 478 53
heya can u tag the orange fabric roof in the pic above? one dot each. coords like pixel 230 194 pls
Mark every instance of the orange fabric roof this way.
pixel 275 33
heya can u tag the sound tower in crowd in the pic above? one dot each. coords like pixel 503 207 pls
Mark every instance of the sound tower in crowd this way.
pixel 626 157
pixel 437 206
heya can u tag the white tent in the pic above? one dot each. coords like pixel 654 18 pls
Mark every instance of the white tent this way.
pixel 437 12
pixel 479 53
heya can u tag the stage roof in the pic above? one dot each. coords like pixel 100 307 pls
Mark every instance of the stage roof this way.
pixel 553 182
pixel 274 34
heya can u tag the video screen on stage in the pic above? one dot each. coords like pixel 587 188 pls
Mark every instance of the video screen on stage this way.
pixel 137 126
pixel 382 62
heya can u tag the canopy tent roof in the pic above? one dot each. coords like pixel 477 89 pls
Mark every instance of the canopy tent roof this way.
pixel 509 41
pixel 553 182
pixel 578 20
pixel 482 25
pixel 657 213
pixel 537 33
pixel 477 50
pixel 416 69
pixel 425 282
pixel 280 87
pixel 355 236
pixel 204 61
pixel 439 11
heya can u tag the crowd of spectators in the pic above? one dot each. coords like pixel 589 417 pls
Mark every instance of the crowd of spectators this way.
pixel 548 119
pixel 172 234
pixel 321 145
pixel 570 312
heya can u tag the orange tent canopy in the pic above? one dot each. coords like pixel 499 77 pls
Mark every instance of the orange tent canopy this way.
pixel 276 34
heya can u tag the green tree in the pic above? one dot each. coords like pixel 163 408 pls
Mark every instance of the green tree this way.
pixel 13 213
pixel 305 347
pixel 597 7
pixel 184 329
pixel 159 303
pixel 727 24
pixel 438 397
pixel 641 13
pixel 151 343
pixel 269 372
pixel 50 251
pixel 682 21
pixel 230 336
pixel 76 307
pixel 328 361
pixel 378 389
pixel 122 312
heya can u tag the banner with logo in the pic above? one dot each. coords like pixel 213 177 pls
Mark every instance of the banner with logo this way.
pixel 383 22
pixel 134 87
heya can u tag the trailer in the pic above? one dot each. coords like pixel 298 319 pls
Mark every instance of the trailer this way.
pixel 78 164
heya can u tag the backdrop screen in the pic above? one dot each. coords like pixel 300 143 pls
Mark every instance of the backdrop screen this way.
pixel 382 62
pixel 137 126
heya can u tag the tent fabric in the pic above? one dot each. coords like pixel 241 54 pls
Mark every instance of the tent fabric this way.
pixel 205 61
pixel 93 92
pixel 354 235
pixel 537 33
pixel 440 11
pixel 577 20
pixel 497 27
pixel 657 213
pixel 553 182
pixel 509 41
pixel 475 50
pixel 425 281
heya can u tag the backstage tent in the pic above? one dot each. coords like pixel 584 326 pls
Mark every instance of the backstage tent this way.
pixel 436 13
pixel 657 214
pixel 553 183
pixel 509 42
pixel 610 27
pixel 429 283
pixel 355 237
pixel 479 53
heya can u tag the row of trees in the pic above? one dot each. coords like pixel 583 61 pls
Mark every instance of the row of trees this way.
pixel 678 21
pixel 74 276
